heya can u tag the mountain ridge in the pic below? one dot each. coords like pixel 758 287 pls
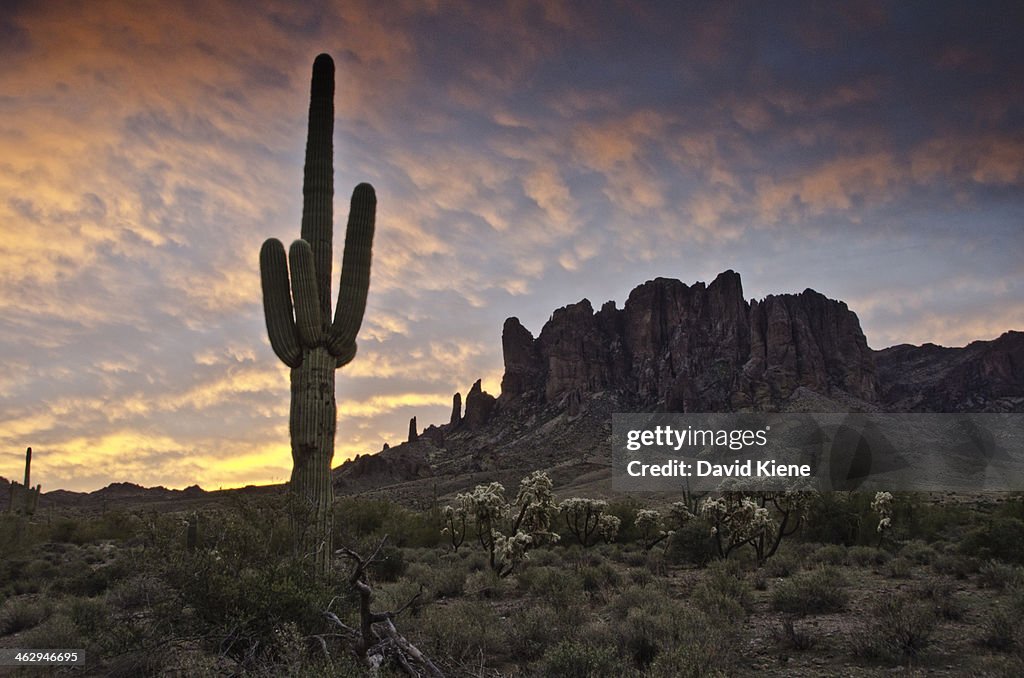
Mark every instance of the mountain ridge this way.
pixel 685 348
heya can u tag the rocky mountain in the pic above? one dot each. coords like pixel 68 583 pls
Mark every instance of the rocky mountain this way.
pixel 694 348
pixel 113 493
pixel 682 348
pixel 984 376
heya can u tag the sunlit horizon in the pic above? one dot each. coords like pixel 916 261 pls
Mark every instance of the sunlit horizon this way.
pixel 525 156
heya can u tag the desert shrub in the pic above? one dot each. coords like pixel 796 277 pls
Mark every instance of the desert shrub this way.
pixel 868 556
pixel 371 519
pixel 665 637
pixel 818 591
pixel 448 584
pixel 640 577
pixel 634 596
pixel 91 616
pixel 112 525
pixel 580 659
pixel 830 554
pixel 759 580
pixel 917 552
pixel 394 595
pixel 1003 628
pixel 942 595
pixel 241 585
pixel 475 561
pixel 576 557
pixel 19 614
pixel 462 630
pixel 533 629
pixel 93 580
pixel 700 648
pixel 1002 666
pixel 417 529
pixel 1013 507
pixel 440 582
pixel 555 585
pixel 996 575
pixel 788 637
pixel 390 565
pixel 644 632
pixel 725 578
pixel 899 568
pixel 599 578
pixel 545 556
pixel 56 631
pixel 782 565
pixel 363 517
pixel 426 556
pixel 836 518
pixel 719 605
pixel 625 510
pixel 901 630
pixel 656 564
pixel 487 584
pixel 636 558
pixel 63 530
pixel 41 570
pixel 691 543
pixel 955 565
pixel 17 534
pixel 1002 538
pixel 998 631
pixel 138 593
pixel 17 577
pixel 913 517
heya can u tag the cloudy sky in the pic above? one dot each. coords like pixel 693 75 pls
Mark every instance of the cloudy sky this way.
pixel 525 155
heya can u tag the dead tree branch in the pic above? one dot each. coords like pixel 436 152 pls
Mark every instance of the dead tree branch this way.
pixel 377 636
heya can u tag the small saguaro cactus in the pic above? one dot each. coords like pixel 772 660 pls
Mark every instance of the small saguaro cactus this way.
pixel 299 323
pixel 24 498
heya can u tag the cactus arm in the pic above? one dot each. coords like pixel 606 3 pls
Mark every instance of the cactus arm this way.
pixel 318 179
pixel 355 271
pixel 308 319
pixel 277 303
pixel 345 357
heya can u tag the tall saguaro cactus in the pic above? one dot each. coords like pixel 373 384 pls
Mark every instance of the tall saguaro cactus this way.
pixel 299 323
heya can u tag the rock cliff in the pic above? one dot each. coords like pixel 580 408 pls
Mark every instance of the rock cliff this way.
pixel 692 348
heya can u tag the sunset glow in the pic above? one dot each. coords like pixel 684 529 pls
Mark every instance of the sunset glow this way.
pixel 525 155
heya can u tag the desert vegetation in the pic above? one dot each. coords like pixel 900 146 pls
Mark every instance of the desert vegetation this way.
pixel 943 594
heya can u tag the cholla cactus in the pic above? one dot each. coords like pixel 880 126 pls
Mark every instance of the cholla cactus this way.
pixel 299 324
pixel 679 514
pixel 455 520
pixel 759 520
pixel 649 524
pixel 882 505
pixel 608 527
pixel 506 531
pixel 582 517
pixel 536 507
pixel 512 550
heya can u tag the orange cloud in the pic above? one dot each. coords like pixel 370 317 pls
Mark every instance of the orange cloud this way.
pixel 831 186
pixel 985 160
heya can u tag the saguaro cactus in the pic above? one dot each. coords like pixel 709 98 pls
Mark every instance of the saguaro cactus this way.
pixel 299 323
pixel 24 498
